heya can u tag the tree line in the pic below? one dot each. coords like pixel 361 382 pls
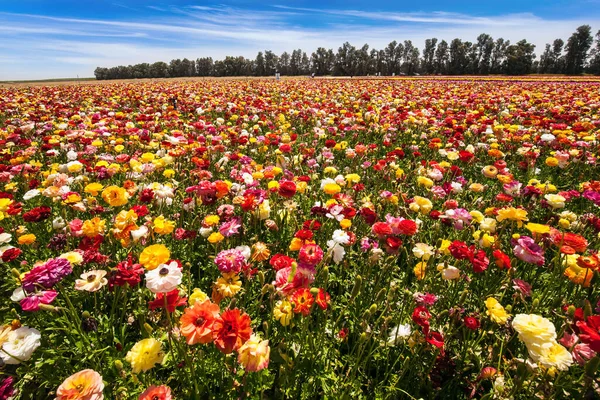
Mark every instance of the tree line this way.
pixel 484 56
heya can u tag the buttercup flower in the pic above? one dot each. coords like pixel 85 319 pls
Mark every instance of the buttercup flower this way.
pixel 144 355
pixel 83 385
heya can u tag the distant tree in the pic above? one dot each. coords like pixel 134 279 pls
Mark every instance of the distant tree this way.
pixel 485 47
pixel 577 50
pixel 345 60
pixel 204 66
pixel 295 62
pixel 458 57
pixel 305 63
pixel 442 57
pixel 499 55
pixel 322 61
pixel 428 56
pixel 364 64
pixel 594 67
pixel 519 58
pixel 270 63
pixel 259 65
pixel 558 60
pixel 101 73
pixel 284 63
pixel 159 70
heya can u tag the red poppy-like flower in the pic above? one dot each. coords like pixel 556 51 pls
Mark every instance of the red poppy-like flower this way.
pixel 311 224
pixel 127 272
pixel 369 215
pixel 472 323
pixel 460 250
pixel 407 227
pixel 322 299
pixel 421 317
pixel 589 332
pixel 11 254
pixel 436 339
pixel 197 322
pixel 231 330
pixel 501 259
pixel 479 261
pixel 287 189
pixel 577 242
pixel 37 214
pixel 173 300
pixel 381 229
pixel 303 300
pixel 310 254
pixel 280 261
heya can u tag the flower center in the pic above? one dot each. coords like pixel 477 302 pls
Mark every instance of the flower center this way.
pixel 91 278
pixel 164 271
pixel 200 321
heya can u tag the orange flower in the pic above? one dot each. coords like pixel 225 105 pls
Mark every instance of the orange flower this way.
pixel 232 330
pixel 579 276
pixel 303 300
pixel 588 262
pixel 161 392
pixel 577 242
pixel 83 385
pixel 197 322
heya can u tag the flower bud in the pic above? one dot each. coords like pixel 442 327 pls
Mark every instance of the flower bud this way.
pixel 364 336
pixel 380 296
pixel 463 296
pixel 571 311
pixel 535 303
pixel 373 309
pixel 587 308
pixel 16 273
pixel 261 278
pixel 265 327
pixel 232 303
pixel 148 328
pixel 118 365
pixel 85 314
pixel 508 307
pixel 48 307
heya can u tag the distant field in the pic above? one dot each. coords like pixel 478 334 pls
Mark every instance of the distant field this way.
pixel 92 81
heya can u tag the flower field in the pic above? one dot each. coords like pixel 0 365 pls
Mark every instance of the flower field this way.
pixel 226 239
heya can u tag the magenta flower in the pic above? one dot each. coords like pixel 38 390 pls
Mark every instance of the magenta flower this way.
pixel 527 250
pixel 48 274
pixel 231 227
pixel 33 301
pixel 7 389
pixel 231 260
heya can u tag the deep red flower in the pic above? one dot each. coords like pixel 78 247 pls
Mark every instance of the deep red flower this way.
pixel 502 260
pixel 407 227
pixel 436 339
pixel 173 301
pixel 479 261
pixel 37 214
pixel 11 254
pixel 323 299
pixel 280 261
pixel 127 272
pixel 421 317
pixel 287 189
pixel 472 323
pixel 381 229
pixel 589 331
pixel 460 250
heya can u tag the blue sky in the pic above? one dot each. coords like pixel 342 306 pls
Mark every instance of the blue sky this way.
pixel 53 39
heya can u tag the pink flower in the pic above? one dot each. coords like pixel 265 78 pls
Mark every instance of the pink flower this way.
pixel 33 301
pixel 582 353
pixel 231 227
pixel 75 227
pixel 231 260
pixel 527 250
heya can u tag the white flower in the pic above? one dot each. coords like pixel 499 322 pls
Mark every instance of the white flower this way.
pixel 341 237
pixel 336 250
pixel 488 225
pixel 18 294
pixel 245 250
pixel 399 333
pixel 164 278
pixel 139 233
pixel 205 232
pixel 449 273
pixel 58 223
pixel 31 194
pixel 5 238
pixel 547 137
pixel 20 345
pixel 423 251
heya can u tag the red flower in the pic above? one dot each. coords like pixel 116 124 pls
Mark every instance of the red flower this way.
pixel 472 323
pixel 479 261
pixel 421 317
pixel 381 229
pixel 303 300
pixel 407 227
pixel 37 214
pixel 436 339
pixel 280 261
pixel 369 215
pixel 231 330
pixel 11 254
pixel 127 272
pixel 173 301
pixel 589 332
pixel 311 224
pixel 460 250
pixel 287 189
pixel 323 299
pixel 502 260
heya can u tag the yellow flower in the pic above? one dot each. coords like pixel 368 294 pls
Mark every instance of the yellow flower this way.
pixel 345 223
pixel 168 173
pixel 332 188
pixel 443 247
pixel 93 227
pixel 420 270
pixel 93 188
pixel 476 187
pixel 352 178
pixel 254 354
pixel 27 239
pixel 197 296
pixel 283 312
pixel 513 214
pixel 421 205
pixel 537 228
pixel 551 162
pixel 154 255
pixel 424 181
pixel 144 355
pixel 115 196
pixel 163 226
pixel 534 328
pixel 578 275
pixel 211 220
pixel 215 237
pixel 496 312
pixel 552 356
pixel 229 284
pixel 74 257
